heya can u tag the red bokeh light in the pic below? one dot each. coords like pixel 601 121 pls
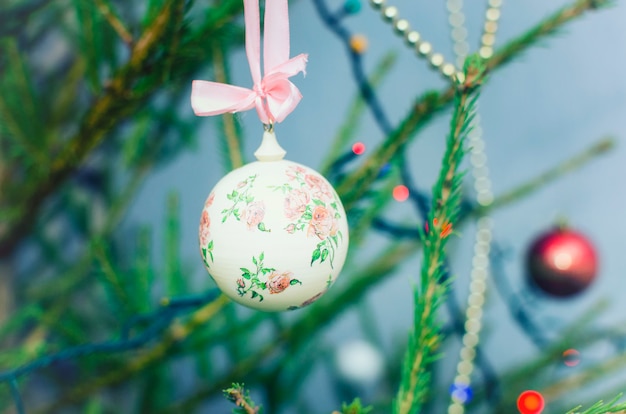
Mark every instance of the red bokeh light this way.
pixel 530 402
pixel 358 148
pixel 400 193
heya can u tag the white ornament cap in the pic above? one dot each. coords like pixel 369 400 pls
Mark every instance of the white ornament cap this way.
pixel 270 150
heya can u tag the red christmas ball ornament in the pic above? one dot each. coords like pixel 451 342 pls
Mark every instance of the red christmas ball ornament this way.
pixel 561 262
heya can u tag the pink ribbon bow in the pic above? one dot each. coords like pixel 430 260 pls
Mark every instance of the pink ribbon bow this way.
pixel 273 95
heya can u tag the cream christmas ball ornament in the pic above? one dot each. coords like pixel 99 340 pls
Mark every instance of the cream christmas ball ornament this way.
pixel 273 233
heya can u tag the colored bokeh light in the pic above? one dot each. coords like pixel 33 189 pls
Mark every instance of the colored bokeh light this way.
pixel 530 402
pixel 400 193
pixel 384 170
pixel 358 148
pixel 358 43
pixel 461 393
pixel 352 6
pixel 571 357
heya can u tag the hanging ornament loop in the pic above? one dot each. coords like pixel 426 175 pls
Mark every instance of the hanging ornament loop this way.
pixel 273 95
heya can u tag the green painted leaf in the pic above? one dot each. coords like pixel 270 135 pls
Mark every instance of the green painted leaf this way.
pixel 254 294
pixel 246 273
pixel 324 255
pixel 263 286
pixel 307 215
pixel 318 202
pixel 260 298
pixel 210 246
pixel 316 255
pixel 249 199
pixel 295 282
pixel 261 226
pixel 262 256
pixel 254 260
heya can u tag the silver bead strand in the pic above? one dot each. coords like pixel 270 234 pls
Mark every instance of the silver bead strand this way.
pixel 484 197
pixel 413 39
pixel 492 15
pixel 478 275
pixel 456 19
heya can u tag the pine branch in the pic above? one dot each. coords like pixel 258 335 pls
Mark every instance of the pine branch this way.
pixel 241 397
pixel 355 407
pixel 601 408
pixel 347 129
pixel 106 8
pixel 426 338
pixel 175 334
pixel 598 148
pixel 352 189
pixel 300 332
pixel 228 126
pixel 129 89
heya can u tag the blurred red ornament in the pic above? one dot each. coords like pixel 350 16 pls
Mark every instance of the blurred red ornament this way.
pixel 562 262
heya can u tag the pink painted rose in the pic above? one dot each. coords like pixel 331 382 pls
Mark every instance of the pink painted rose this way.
pixel 242 184
pixel 209 200
pixel 295 203
pixel 253 214
pixel 293 171
pixel 240 283
pixel 277 282
pixel 291 228
pixel 319 188
pixel 322 223
pixel 205 223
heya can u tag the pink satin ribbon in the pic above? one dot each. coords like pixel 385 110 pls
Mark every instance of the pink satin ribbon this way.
pixel 273 95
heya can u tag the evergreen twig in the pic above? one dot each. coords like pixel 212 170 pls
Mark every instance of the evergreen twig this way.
pixel 106 8
pixel 601 408
pixel 228 125
pixel 425 338
pixel 355 407
pixel 432 103
pixel 241 397
pixel 577 161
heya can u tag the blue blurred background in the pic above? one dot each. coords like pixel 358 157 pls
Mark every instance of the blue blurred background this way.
pixel 553 102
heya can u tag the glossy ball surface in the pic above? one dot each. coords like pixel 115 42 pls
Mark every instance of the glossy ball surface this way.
pixel 273 235
pixel 561 263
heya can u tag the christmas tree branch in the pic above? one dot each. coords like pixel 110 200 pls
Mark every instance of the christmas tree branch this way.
pixel 124 94
pixel 176 333
pixel 576 381
pixel 579 160
pixel 241 397
pixel 430 104
pixel 601 408
pixel 347 129
pixel 355 407
pixel 320 314
pixel 228 126
pixel 425 338
pixel 106 8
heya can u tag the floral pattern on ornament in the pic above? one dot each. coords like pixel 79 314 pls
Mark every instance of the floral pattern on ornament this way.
pixel 204 232
pixel 312 299
pixel 311 206
pixel 245 208
pixel 275 281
